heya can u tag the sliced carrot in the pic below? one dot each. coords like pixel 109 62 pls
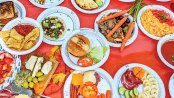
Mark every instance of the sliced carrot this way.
pixel 112 16
pixel 72 90
pixel 75 92
pixel 128 34
pixel 117 26
pixel 102 95
pixel 108 94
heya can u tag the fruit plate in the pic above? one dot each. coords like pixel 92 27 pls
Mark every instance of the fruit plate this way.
pixel 96 39
pixel 48 3
pixel 156 7
pixel 14 70
pixel 106 3
pixel 69 17
pixel 159 46
pixel 118 75
pixel 105 83
pixel 134 34
pixel 171 84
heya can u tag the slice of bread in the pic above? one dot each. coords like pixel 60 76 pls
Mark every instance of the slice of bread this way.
pixel 7 10
pixel 87 4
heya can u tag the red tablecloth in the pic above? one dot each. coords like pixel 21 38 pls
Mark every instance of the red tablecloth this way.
pixel 143 50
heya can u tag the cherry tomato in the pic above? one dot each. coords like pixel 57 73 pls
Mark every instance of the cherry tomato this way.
pixel 85 62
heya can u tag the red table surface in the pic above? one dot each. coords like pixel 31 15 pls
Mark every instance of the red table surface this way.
pixel 143 50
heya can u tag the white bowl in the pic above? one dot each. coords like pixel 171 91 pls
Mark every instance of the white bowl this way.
pixel 134 34
pixel 156 7
pixel 96 39
pixel 171 85
pixel 48 3
pixel 69 17
pixel 160 43
pixel 117 78
pixel 18 21
pixel 106 83
pixel 106 3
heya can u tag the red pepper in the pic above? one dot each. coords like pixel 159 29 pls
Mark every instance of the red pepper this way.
pixel 52 88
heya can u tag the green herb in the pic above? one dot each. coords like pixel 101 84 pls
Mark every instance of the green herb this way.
pixel 136 8
pixel 162 16
pixel 21 77
pixel 56 33
pixel 172 58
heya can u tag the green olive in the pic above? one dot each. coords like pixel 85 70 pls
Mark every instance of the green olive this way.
pixel 31 85
pixel 35 80
pixel 42 78
pixel 29 79
pixel 39 74
pixel 25 85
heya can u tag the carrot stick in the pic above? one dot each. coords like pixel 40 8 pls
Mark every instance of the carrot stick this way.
pixel 108 94
pixel 112 16
pixel 99 96
pixel 102 95
pixel 128 34
pixel 117 26
pixel 72 91
pixel 75 92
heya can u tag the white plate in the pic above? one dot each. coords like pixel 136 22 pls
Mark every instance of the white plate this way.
pixel 127 0
pixel 15 69
pixel 157 7
pixel 105 84
pixel 106 3
pixel 117 78
pixel 48 4
pixel 70 18
pixel 134 34
pixel 160 43
pixel 15 22
pixel 171 85
pixel 96 39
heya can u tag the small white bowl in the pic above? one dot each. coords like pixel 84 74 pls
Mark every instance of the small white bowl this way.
pixel 156 7
pixel 105 5
pixel 134 34
pixel 96 39
pixel 160 43
pixel 18 21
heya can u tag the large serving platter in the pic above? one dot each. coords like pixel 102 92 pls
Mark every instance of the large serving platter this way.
pixel 96 39
pixel 106 83
pixel 117 78
pixel 69 17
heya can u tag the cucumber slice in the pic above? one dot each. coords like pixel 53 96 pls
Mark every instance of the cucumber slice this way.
pixel 126 94
pixel 135 91
pixel 131 93
pixel 122 90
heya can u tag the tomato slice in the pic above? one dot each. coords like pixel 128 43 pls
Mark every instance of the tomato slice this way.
pixel 85 62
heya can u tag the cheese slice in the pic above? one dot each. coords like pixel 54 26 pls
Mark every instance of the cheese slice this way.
pixel 31 62
pixel 47 67
pixel 37 66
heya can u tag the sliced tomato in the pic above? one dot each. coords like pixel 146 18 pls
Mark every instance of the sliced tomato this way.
pixel 9 68
pixel 85 62
pixel 4 67
pixel 8 60
pixel 4 75
pixel 2 80
pixel 2 62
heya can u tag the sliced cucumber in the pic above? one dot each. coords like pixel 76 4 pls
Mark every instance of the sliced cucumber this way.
pixel 131 93
pixel 122 90
pixel 135 90
pixel 126 94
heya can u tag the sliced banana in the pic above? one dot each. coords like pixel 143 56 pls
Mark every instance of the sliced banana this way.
pixel 142 95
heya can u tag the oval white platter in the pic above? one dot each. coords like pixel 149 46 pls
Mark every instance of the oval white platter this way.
pixel 117 78
pixel 106 83
pixel 134 34
pixel 69 17
pixel 18 21
pixel 160 43
pixel 171 85
pixel 15 69
pixel 96 39
pixel 157 7
pixel 48 3
pixel 127 0
pixel 106 3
